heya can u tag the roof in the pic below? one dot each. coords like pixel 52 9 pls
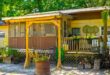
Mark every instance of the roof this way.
pixel 69 11
pixel 30 16
pixel 55 13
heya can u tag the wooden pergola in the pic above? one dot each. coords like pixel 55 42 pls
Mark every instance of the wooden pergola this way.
pixel 55 19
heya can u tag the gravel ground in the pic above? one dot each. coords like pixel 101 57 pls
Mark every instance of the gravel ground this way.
pixel 17 69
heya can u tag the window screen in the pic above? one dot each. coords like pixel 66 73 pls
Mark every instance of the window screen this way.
pixel 49 30
pixel 75 31
pixel 42 30
pixel 17 30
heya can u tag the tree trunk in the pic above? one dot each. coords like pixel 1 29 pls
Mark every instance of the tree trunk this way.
pixel 105 19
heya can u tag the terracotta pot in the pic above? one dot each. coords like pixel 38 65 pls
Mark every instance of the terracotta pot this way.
pixel 42 68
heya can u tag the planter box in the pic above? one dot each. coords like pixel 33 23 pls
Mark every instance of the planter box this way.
pixel 42 68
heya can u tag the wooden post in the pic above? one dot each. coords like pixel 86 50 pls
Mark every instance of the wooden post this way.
pixel 58 24
pixel 59 48
pixel 27 59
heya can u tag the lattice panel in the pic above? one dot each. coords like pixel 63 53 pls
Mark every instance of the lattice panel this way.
pixel 75 59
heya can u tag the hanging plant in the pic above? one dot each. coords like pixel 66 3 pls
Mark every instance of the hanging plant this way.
pixel 95 29
pixel 90 30
pixel 86 29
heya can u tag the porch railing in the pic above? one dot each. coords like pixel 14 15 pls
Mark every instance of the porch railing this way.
pixel 81 44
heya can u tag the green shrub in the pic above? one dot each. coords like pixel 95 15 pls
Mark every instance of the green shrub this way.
pixel 12 52
pixel 62 55
pixel 41 58
pixel 8 52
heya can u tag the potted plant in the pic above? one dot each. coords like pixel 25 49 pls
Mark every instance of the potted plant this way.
pixel 5 56
pixel 42 65
pixel 8 54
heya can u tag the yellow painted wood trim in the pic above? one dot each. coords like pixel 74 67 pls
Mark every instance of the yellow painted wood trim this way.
pixel 55 22
pixel 34 19
pixel 27 59
pixel 58 24
pixel 59 45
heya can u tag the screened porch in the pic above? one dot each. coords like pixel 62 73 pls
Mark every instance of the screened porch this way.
pixel 41 36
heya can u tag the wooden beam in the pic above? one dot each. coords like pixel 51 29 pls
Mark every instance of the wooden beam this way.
pixel 44 18
pixel 58 23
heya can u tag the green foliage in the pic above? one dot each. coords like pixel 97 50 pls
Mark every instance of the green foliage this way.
pixel 1 5
pixel 8 52
pixel 4 53
pixel 86 29
pixel 62 55
pixel 95 29
pixel 90 29
pixel 17 7
pixel 12 52
pixel 105 15
pixel 23 7
pixel 41 58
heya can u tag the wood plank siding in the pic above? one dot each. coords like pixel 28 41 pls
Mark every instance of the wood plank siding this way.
pixel 42 42
pixel 34 42
pixel 87 15
pixel 17 42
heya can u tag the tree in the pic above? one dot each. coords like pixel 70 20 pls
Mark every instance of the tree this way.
pixel 1 4
pixel 105 20
pixel 18 7
pixel 23 7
